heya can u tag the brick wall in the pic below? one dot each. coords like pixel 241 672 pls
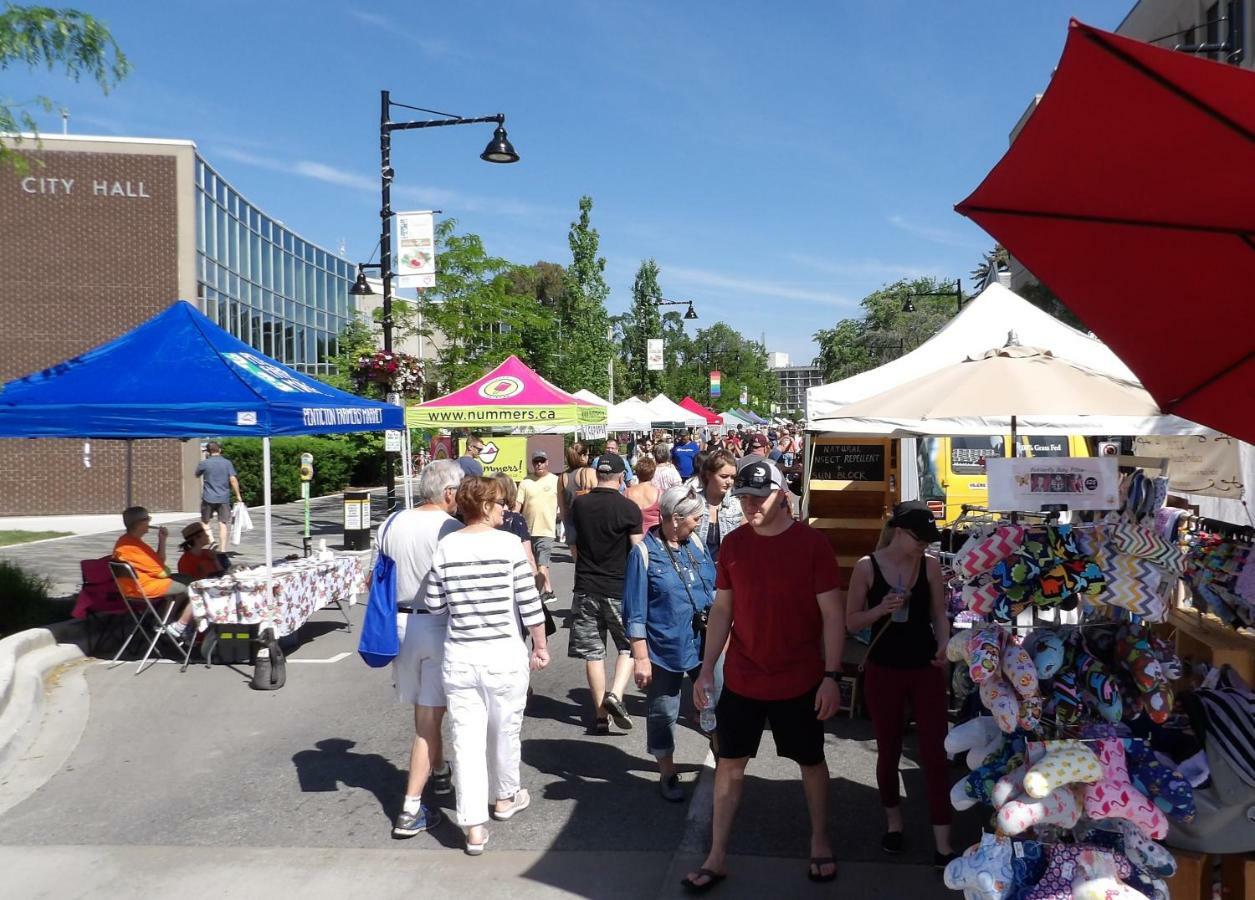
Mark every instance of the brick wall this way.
pixel 79 267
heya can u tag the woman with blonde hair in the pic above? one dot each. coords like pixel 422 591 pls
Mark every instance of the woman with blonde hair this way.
pixel 481 580
pixel 578 479
pixel 644 494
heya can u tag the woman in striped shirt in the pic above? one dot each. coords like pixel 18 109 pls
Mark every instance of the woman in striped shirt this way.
pixel 481 579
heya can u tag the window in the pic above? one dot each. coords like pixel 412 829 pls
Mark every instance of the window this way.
pixel 1042 445
pixel 1213 26
pixel 967 454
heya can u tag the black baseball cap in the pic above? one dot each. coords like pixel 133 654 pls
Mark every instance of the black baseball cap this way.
pixel 916 518
pixel 758 480
pixel 610 464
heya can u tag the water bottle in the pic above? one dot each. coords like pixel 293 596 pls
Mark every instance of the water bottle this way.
pixel 707 719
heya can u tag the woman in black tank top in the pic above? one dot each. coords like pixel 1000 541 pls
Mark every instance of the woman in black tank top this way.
pixel 898 593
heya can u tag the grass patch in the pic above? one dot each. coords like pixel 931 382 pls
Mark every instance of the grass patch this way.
pixel 24 600
pixel 22 537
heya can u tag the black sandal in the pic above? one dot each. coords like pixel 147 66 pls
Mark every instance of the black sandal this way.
pixel 601 727
pixel 817 863
pixel 712 879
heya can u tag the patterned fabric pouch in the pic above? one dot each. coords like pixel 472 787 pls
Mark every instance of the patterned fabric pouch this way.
pixel 982 553
pixel 1140 541
pixel 1065 572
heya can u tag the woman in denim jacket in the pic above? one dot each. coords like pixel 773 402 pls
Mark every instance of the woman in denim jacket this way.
pixel 668 588
pixel 719 508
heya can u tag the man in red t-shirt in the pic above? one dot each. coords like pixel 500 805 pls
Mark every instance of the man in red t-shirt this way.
pixel 778 607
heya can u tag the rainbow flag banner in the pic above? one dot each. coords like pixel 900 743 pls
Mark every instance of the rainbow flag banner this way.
pixel 714 384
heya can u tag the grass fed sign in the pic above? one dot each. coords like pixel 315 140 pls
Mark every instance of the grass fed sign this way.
pixel 98 187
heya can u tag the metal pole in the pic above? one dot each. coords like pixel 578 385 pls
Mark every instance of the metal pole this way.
pixel 270 552
pixel 385 262
pixel 610 362
pixel 958 292
pixel 130 466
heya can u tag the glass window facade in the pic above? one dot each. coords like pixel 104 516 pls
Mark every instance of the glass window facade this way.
pixel 269 287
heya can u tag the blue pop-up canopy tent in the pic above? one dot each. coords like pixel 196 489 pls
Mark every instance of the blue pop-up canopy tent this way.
pixel 179 375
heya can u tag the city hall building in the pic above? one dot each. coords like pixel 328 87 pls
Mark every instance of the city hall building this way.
pixel 99 234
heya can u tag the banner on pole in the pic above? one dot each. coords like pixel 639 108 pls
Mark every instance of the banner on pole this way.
pixel 416 249
pixel 745 396
pixel 715 380
pixel 654 355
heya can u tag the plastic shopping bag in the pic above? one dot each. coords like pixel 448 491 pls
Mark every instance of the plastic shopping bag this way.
pixel 240 522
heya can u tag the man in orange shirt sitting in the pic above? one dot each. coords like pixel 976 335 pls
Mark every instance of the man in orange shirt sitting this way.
pixel 149 565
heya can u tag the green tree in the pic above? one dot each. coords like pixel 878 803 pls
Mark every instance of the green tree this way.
pixel 641 324
pixel 355 341
pixel 996 259
pixel 542 283
pixel 585 350
pixel 37 36
pixel 1034 292
pixel 886 329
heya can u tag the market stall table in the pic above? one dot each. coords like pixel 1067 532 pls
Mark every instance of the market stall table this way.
pixel 301 588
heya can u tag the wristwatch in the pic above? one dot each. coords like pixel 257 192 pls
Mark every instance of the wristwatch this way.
pixel 834 675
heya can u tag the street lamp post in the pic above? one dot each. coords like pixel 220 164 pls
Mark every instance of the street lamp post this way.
pixel 957 294
pixel 499 150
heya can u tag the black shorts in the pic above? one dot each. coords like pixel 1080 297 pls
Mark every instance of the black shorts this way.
pixel 739 723
pixel 223 510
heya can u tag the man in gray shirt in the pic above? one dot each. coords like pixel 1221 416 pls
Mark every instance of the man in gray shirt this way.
pixel 218 483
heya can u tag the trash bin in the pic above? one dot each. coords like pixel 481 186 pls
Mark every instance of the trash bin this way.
pixel 356 520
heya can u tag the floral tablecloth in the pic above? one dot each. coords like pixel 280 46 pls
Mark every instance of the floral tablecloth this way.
pixel 300 589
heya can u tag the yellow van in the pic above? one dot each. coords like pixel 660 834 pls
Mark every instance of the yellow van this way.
pixel 952 469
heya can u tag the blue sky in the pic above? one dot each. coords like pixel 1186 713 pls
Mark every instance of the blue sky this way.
pixel 779 161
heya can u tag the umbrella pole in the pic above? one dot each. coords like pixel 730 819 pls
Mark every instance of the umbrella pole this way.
pixel 130 468
pixel 265 469
pixel 1015 450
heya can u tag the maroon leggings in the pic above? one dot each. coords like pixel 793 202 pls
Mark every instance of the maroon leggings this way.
pixel 887 692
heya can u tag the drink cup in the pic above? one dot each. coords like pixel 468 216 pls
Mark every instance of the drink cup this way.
pixel 903 612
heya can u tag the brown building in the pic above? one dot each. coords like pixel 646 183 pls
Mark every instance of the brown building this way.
pixel 99 234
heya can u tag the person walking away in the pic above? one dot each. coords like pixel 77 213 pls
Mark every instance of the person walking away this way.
pixel 682 455
pixel 607 524
pixel 218 483
pixel 666 475
pixel 149 566
pixel 667 592
pixel 411 538
pixel 788 448
pixel 644 494
pixel 578 479
pixel 629 476
pixel 778 604
pixel 469 460
pixel 481 578
pixel 898 592
pixel 756 450
pixel 510 520
pixel 538 502
pixel 721 511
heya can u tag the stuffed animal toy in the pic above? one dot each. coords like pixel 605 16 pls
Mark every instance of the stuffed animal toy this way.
pixel 1065 762
pixel 1166 787
pixel 1097 878
pixel 980 738
pixel 1030 713
pixel 1134 650
pixel 1060 807
pixel 1028 864
pixel 956 648
pixel 1001 700
pixel 1047 650
pixel 977 786
pixel 1100 688
pixel 1062 869
pixel 1114 797
pixel 1006 675
pixel 984 653
pixel 984 871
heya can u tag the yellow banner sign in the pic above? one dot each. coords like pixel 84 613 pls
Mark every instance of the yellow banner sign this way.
pixel 505 454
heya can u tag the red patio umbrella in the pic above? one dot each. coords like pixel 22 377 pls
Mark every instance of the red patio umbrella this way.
pixel 1130 194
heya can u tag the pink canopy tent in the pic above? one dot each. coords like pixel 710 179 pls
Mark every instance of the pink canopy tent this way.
pixel 693 406
pixel 510 396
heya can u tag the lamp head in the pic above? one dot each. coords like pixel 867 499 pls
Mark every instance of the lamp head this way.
pixel 908 306
pixel 690 313
pixel 499 149
pixel 361 287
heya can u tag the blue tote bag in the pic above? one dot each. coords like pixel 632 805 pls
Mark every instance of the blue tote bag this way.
pixel 379 645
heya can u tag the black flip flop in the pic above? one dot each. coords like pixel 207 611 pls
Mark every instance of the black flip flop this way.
pixel 818 862
pixel 601 727
pixel 712 879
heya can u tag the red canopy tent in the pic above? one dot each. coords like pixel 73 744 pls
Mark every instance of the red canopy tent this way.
pixel 694 407
pixel 1129 194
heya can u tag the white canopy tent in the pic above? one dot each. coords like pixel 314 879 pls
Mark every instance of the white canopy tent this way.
pixel 630 415
pixel 668 412
pixel 984 323
pixel 591 397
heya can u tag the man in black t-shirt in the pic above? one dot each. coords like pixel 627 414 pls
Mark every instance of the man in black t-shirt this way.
pixel 607 524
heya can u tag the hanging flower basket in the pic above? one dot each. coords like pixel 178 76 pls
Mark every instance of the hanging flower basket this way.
pixel 393 371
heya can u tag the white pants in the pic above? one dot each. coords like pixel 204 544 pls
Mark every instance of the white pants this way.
pixel 485 693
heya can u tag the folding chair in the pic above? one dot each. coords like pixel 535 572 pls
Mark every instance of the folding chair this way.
pixel 144 612
pixel 99 604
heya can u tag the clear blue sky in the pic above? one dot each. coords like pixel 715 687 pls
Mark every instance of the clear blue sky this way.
pixel 779 161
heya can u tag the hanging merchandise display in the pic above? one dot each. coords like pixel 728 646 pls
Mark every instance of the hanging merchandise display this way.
pixel 1082 731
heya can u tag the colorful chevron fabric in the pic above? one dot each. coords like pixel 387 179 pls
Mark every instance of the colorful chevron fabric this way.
pixel 1133 584
pixel 1140 541
pixel 981 554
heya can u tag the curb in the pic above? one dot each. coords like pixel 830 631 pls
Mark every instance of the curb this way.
pixel 26 659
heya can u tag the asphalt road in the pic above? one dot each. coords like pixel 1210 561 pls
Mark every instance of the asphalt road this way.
pixel 174 770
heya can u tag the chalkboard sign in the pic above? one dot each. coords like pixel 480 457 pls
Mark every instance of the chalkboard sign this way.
pixel 849 462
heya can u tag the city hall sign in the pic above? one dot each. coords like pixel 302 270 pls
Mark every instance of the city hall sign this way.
pixel 64 186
